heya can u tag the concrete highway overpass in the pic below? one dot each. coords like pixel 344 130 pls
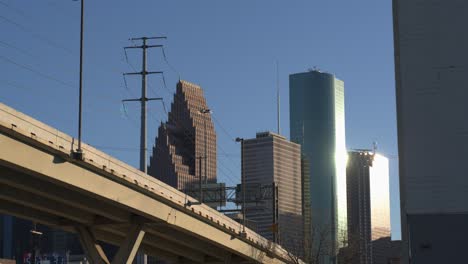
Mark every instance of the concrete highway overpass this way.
pixel 103 199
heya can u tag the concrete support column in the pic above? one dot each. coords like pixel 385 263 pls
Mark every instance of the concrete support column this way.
pixel 228 259
pixel 92 249
pixel 130 245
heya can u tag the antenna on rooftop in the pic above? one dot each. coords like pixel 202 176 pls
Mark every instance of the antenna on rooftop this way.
pixel 278 98
pixel 374 148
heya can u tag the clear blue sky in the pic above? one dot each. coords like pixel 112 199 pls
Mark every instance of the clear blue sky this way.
pixel 227 47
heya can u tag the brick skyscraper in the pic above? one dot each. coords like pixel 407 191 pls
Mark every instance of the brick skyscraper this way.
pixel 178 155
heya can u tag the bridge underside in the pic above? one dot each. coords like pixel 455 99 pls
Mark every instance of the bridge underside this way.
pixel 47 188
pixel 27 197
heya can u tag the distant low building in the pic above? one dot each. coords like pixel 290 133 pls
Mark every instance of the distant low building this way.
pixel 19 242
pixel 386 251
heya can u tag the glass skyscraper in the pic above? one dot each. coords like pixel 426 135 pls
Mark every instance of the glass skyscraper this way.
pixel 317 122
pixel 368 197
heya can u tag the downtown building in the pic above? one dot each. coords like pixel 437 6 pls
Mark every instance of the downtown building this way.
pixel 431 73
pixel 368 199
pixel 185 149
pixel 271 159
pixel 317 122
pixel 20 239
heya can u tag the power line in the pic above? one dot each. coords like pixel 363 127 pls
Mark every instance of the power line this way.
pixel 214 118
pixel 36 72
pixel 16 10
pixel 5 44
pixel 168 64
pixel 224 130
pixel 221 164
pixel 35 35
pixel 148 84
pixel 143 99
pixel 219 146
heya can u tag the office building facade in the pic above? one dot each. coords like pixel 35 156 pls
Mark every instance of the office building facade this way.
pixel 317 122
pixel 178 157
pixel 431 72
pixel 271 158
pixel 368 199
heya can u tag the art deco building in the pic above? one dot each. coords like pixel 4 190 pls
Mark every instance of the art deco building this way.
pixel 431 69
pixel 270 158
pixel 178 157
pixel 317 122
pixel 368 199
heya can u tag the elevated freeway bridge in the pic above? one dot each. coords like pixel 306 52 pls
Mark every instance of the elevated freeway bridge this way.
pixel 103 199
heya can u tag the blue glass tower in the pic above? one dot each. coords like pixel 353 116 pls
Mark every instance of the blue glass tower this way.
pixel 316 102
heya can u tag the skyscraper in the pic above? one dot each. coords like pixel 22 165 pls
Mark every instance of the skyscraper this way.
pixel 271 158
pixel 316 102
pixel 185 148
pixel 431 72
pixel 368 198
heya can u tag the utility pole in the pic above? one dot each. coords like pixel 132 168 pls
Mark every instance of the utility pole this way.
pixel 143 99
pixel 142 258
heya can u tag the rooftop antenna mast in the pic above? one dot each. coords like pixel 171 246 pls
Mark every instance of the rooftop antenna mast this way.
pixel 374 149
pixel 278 98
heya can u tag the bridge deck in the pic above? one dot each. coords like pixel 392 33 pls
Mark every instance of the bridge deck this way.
pixel 113 182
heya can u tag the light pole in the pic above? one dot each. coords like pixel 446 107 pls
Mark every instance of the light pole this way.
pixel 203 111
pixel 35 239
pixel 241 140
pixel 78 153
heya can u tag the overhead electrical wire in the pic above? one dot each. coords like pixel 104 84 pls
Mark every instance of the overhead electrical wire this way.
pixel 36 71
pixel 35 35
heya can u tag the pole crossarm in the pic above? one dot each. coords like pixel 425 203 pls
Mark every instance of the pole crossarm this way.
pixel 143 46
pixel 143 72
pixel 146 99
pixel 161 37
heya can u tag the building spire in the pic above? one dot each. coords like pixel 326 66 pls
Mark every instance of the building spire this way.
pixel 278 99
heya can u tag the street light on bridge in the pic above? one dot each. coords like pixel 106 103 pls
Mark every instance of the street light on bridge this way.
pixel 241 140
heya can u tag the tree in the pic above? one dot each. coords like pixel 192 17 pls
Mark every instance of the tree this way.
pixel 310 248
pixel 318 246
pixel 349 253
